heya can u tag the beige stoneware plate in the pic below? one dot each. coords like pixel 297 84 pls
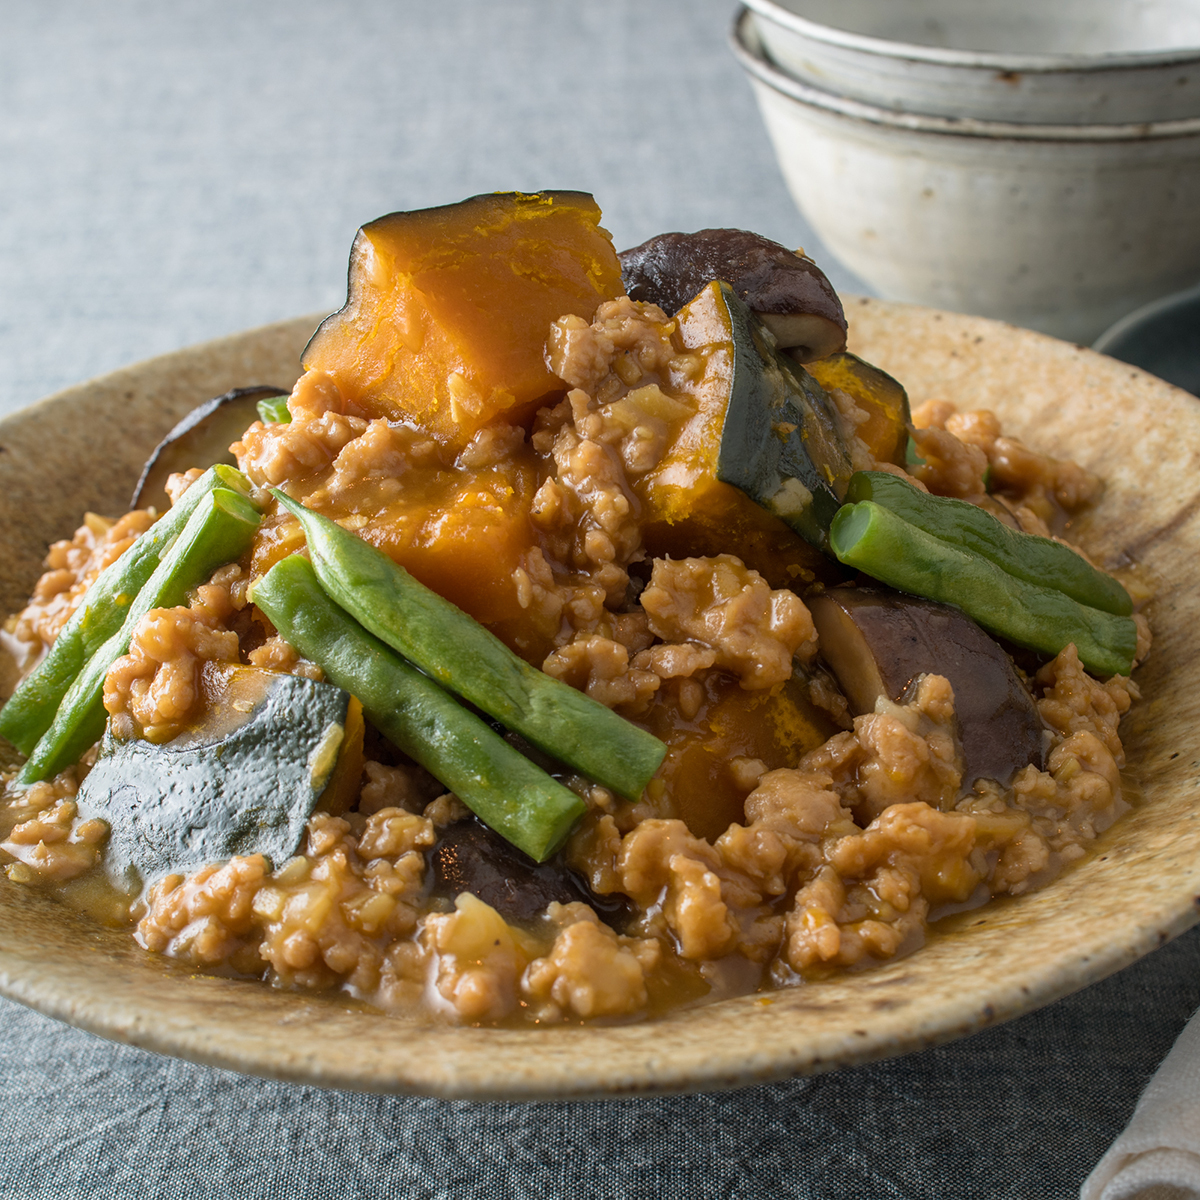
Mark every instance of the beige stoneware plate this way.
pixel 83 448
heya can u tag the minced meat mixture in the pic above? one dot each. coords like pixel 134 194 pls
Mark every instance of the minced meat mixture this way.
pixel 827 842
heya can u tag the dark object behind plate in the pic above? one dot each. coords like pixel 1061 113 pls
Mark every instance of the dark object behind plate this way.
pixel 1162 337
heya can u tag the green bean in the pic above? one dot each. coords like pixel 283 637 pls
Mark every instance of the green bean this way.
pixel 1035 559
pixel 463 656
pixel 878 542
pixel 507 791
pixel 218 531
pixel 100 614
pixel 273 410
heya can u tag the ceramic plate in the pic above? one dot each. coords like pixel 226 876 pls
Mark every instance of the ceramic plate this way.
pixel 83 448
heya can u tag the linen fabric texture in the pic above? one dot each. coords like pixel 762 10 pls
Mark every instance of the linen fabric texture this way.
pixel 1019 1112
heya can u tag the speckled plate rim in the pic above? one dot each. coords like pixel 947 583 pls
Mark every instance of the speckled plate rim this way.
pixel 994 964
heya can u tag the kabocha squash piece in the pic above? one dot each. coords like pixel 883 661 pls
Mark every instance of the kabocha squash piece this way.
pixel 885 432
pixel 697 781
pixel 461 532
pixel 788 292
pixel 341 792
pixel 758 464
pixel 240 782
pixel 448 308
pixel 201 439
pixel 764 543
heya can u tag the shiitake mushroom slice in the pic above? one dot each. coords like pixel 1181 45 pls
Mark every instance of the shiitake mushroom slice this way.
pixel 200 439
pixel 878 642
pixel 788 292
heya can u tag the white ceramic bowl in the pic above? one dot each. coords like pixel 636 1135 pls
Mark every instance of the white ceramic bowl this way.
pixel 1061 228
pixel 1063 62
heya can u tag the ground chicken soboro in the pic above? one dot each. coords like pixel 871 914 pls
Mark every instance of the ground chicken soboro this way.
pixel 834 840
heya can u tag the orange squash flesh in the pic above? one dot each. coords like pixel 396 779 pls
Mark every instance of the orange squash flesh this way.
pixel 341 792
pixel 885 431
pixel 696 781
pixel 461 532
pixel 448 309
pixel 467 548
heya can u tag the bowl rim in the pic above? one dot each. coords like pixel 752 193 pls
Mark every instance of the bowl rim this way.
pixel 991 60
pixel 1147 312
pixel 746 43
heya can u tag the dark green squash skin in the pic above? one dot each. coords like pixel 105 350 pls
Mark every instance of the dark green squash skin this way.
pixel 196 800
pixel 780 442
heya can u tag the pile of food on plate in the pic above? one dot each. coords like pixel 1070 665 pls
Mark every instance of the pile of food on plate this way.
pixel 584 635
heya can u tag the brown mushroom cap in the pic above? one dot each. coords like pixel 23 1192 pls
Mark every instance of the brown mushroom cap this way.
pixel 789 292
pixel 877 642
pixel 470 857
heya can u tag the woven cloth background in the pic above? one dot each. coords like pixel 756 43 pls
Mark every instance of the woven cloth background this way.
pixel 170 173
pixel 1020 1112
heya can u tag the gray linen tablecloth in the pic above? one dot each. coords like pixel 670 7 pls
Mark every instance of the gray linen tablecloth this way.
pixel 169 173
